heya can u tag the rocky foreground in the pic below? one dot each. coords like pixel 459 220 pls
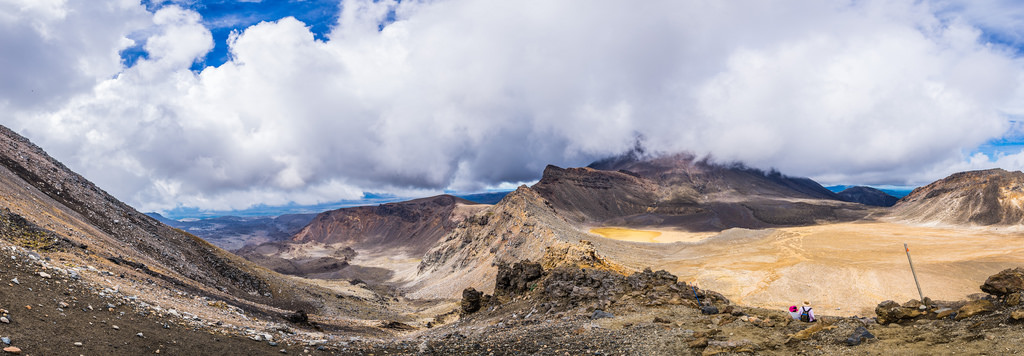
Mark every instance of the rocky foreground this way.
pixel 51 308
pixel 571 310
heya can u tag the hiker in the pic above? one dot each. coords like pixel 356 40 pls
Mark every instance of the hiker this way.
pixel 806 313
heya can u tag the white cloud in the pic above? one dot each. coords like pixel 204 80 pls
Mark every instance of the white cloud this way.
pixel 470 94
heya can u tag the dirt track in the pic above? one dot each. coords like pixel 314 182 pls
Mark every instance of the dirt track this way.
pixel 843 269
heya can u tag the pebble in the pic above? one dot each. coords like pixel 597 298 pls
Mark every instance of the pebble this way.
pixel 12 349
pixel 6 340
pixel 139 335
pixel 116 327
pixel 15 280
pixel 78 344
pixel 44 275
pixel 273 343
pixel 284 351
pixel 3 319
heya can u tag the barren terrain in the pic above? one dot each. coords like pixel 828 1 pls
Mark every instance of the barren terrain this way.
pixel 844 269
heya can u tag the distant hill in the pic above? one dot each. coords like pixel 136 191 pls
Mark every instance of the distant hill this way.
pixel 896 191
pixel 485 198
pixel 679 190
pixel 234 232
pixel 868 196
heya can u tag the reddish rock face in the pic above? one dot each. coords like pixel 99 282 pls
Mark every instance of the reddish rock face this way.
pixel 414 225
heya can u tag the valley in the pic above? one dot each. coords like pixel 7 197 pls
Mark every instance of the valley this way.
pixel 636 255
pixel 844 269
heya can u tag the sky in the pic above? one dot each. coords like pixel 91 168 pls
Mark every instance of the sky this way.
pixel 229 105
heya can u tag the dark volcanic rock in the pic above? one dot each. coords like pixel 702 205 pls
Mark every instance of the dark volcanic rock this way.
pixel 1005 282
pixel 868 196
pixel 517 278
pixel 681 191
pixel 471 300
pixel 297 317
pixel 859 336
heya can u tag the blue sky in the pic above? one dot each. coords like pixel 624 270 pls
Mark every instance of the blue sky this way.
pixel 223 17
pixel 417 98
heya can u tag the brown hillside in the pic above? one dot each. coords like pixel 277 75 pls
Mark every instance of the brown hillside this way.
pixel 73 217
pixel 413 225
pixel 986 197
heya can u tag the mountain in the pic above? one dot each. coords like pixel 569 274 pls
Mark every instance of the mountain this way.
pixel 49 208
pixel 680 191
pixel 234 232
pixel 868 196
pixel 985 197
pixel 413 225
pixel 523 226
pixel 327 247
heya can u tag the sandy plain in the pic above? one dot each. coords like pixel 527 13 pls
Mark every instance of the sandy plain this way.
pixel 842 269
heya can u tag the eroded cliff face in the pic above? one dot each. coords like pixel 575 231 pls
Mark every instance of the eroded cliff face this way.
pixel 413 226
pixel 523 226
pixel 992 197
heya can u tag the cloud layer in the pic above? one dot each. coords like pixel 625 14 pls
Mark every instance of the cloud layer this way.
pixel 422 96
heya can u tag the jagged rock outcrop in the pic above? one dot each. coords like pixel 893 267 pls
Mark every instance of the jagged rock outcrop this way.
pixel 867 196
pixel 568 287
pixel 986 197
pixel 518 278
pixel 1005 282
pixel 523 226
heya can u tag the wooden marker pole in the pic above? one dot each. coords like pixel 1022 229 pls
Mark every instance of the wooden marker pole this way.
pixel 915 273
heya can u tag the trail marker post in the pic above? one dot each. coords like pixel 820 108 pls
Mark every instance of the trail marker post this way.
pixel 694 288
pixel 913 272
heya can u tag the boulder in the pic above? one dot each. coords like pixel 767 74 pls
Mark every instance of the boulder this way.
pixel 859 335
pixel 891 312
pixel 974 308
pixel 518 278
pixel 1005 282
pixel 601 314
pixel 709 310
pixel 297 317
pixel 471 300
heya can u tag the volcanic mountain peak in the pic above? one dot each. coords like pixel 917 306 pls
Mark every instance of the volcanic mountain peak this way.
pixel 868 196
pixel 679 191
pixel 984 197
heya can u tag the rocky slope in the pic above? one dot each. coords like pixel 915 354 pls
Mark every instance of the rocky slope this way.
pixel 523 226
pixel 992 197
pixel 414 226
pixel 681 191
pixel 48 208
